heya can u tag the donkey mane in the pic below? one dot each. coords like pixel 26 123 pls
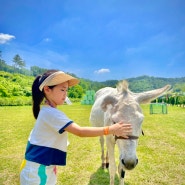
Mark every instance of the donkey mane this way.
pixel 122 87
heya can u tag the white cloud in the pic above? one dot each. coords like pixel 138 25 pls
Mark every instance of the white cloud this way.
pixel 47 39
pixel 5 38
pixel 101 71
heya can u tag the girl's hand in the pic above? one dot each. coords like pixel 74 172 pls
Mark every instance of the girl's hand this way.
pixel 121 129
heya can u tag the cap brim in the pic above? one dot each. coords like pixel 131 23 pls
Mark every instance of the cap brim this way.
pixel 61 78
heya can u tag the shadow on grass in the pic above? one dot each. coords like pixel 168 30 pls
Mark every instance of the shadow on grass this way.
pixel 101 177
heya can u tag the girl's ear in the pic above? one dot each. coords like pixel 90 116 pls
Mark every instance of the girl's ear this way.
pixel 46 89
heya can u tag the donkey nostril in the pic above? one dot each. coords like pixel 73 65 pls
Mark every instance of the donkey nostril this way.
pixel 137 161
pixel 123 162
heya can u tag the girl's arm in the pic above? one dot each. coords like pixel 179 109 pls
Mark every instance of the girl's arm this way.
pixel 119 129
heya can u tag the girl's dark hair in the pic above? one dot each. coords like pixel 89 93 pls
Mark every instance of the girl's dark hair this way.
pixel 37 95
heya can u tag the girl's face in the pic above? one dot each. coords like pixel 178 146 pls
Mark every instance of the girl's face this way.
pixel 56 95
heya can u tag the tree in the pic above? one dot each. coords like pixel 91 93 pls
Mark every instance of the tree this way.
pixel 37 70
pixel 2 65
pixel 2 62
pixel 75 92
pixel 18 62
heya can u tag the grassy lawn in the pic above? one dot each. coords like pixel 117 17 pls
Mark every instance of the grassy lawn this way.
pixel 161 151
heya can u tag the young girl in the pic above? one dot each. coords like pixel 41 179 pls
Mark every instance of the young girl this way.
pixel 47 143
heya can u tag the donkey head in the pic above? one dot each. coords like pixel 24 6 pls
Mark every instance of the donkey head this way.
pixel 124 105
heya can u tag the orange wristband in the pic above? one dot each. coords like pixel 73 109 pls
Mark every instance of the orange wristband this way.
pixel 106 131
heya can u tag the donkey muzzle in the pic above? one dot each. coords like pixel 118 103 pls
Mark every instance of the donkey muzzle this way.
pixel 130 163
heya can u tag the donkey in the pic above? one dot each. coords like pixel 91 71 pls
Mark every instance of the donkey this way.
pixel 120 104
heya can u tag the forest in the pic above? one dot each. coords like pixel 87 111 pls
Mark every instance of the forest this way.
pixel 16 81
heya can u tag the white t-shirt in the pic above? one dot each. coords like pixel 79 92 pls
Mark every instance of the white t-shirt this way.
pixel 47 143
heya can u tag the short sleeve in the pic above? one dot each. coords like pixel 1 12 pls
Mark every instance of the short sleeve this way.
pixel 55 119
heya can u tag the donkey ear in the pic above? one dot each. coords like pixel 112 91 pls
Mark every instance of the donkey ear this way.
pixel 108 100
pixel 148 96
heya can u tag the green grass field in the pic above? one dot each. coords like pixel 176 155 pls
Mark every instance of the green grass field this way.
pixel 161 151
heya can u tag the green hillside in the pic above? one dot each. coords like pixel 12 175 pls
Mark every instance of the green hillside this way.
pixel 15 88
pixel 144 83
pixel 138 84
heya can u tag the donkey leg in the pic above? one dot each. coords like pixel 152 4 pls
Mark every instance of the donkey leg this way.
pixel 107 160
pixel 112 162
pixel 102 151
pixel 121 175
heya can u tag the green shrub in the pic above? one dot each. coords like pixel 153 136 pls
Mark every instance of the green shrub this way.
pixel 15 101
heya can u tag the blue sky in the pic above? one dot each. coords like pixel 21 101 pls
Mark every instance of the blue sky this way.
pixel 96 39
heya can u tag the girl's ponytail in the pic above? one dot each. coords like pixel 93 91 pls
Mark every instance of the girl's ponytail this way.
pixel 37 96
